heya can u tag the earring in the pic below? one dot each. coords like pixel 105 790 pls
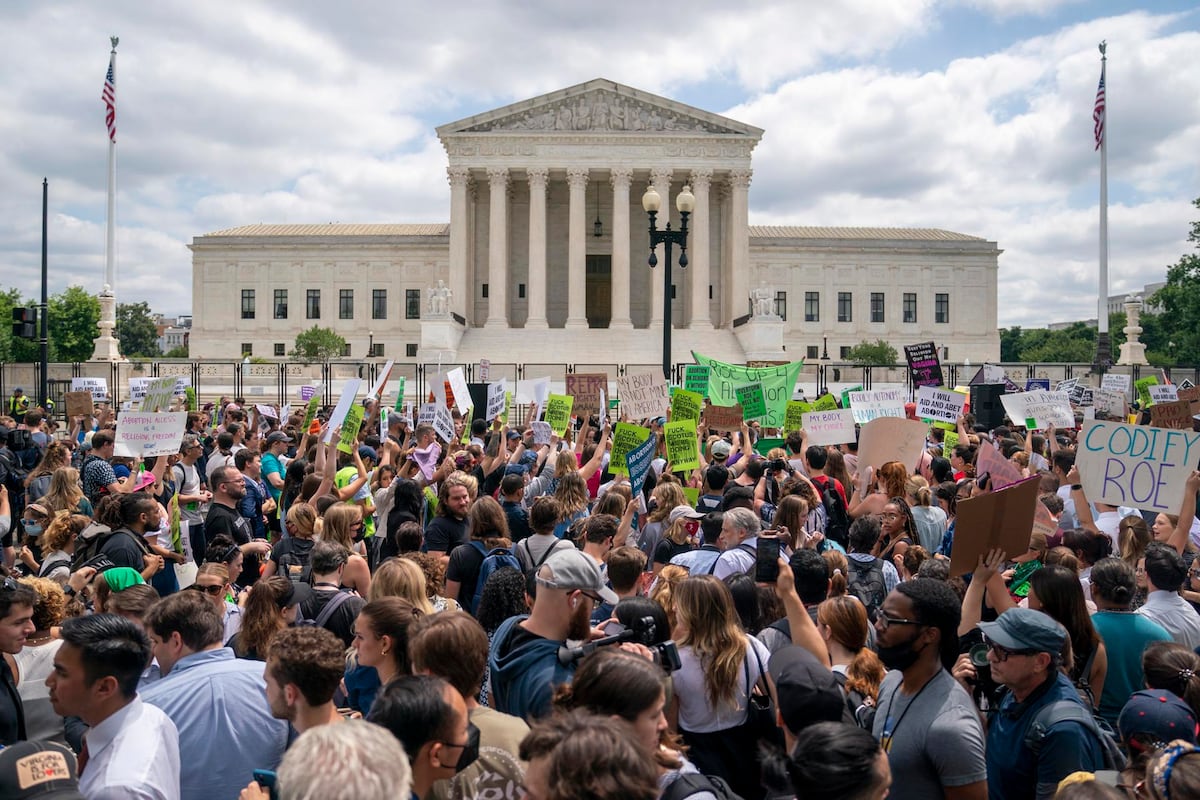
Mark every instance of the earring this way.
pixel 384 651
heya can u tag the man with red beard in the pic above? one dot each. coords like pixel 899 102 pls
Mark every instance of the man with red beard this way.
pixel 524 662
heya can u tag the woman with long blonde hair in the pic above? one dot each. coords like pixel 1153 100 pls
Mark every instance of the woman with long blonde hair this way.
pixel 572 494
pixel 720 667
pixel 663 589
pixel 343 523
pixel 294 550
pixel 401 577
pixel 65 494
pixel 666 496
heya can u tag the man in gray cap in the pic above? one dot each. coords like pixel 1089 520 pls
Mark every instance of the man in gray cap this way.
pixel 1023 761
pixel 524 662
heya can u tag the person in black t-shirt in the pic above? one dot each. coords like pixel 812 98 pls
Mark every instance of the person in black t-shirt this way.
pixel 449 528
pixel 488 526
pixel 328 560
pixel 228 489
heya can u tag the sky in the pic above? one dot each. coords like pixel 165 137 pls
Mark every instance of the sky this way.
pixel 969 115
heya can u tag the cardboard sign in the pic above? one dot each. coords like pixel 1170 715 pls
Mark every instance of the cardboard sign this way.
pixel 381 381
pixel 991 462
pixel 939 404
pixel 1166 393
pixel 829 427
pixel 310 412
pixel 147 433
pixel 994 373
pixel 1001 519
pixel 1175 414
pixel 426 413
pixel 79 404
pixel 542 432
pixel 459 388
pixel 638 460
pixel 1116 382
pixel 793 419
pixel 343 407
pixel 1109 402
pixel 686 405
pixel 497 395
pixel 695 379
pixel 949 442
pixel 723 418
pixel 625 438
pixel 1143 390
pixel 443 423
pixel 558 412
pixel 825 402
pixel 1034 384
pixel 778 382
pixel 872 405
pixel 586 388
pixel 1045 408
pixel 348 442
pixel 885 439
pixel 644 395
pixel 923 364
pixel 682 450
pixel 752 400
pixel 1136 466
pixel 1189 393
pixel 97 386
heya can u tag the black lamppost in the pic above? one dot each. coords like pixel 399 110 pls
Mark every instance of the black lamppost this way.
pixel 685 201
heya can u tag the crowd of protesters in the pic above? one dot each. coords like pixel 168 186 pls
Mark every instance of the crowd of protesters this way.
pixel 265 614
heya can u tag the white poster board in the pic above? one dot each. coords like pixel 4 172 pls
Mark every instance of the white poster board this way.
pixel 495 399
pixel 940 405
pixel 643 395
pixel 381 381
pixel 342 408
pixel 874 404
pixel 1116 382
pixel 1164 393
pixel 97 386
pixel 458 385
pixel 829 427
pixel 887 439
pixel 1136 466
pixel 1045 408
pixel 146 433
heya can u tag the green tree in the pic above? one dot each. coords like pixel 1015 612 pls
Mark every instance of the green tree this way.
pixel 1180 302
pixel 867 354
pixel 136 330
pixel 177 352
pixel 318 344
pixel 73 317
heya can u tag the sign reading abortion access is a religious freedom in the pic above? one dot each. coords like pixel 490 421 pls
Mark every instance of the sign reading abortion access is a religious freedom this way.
pixel 1136 466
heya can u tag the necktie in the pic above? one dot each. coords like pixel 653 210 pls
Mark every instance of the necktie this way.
pixel 82 759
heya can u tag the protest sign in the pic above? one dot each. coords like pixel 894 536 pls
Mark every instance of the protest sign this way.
pixel 1001 520
pixel 308 392
pixel 885 439
pixel 949 442
pixel 558 412
pixel 79 404
pixel 793 418
pixel 399 393
pixel 1186 383
pixel 778 382
pixel 348 442
pixel 497 394
pixel 829 427
pixel 137 389
pixel 1174 414
pixel 686 405
pixel 1034 384
pixel 723 418
pixel 1067 385
pixel 1144 468
pixel 882 403
pixel 682 451
pixel 752 400
pixel 695 379
pixel 1166 393
pixel 939 404
pixel 459 388
pixel 923 364
pixel 147 433
pixel 625 438
pixel 1142 386
pixel 586 388
pixel 97 386
pixel 535 390
pixel 638 460
pixel 1045 408
pixel 1109 402
pixel 643 395
pixel 159 394
pixel 765 444
pixel 846 394
pixel 542 432
pixel 1116 382
pixel 310 412
pixel 377 390
pixel 989 461
pixel 443 423
pixel 692 495
pixel 266 411
pixel 349 391
pixel 1189 393
pixel 825 402
pixel 485 370
pixel 994 373
pixel 426 413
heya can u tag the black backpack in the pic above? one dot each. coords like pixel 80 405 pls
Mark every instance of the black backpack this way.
pixel 693 783
pixel 866 583
pixel 1067 710
pixel 91 541
pixel 293 565
pixel 837 516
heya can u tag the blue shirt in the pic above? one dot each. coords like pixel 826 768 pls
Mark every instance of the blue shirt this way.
pixel 699 561
pixel 226 731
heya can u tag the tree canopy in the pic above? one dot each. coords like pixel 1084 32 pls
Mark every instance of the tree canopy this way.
pixel 318 344
pixel 872 353
pixel 137 331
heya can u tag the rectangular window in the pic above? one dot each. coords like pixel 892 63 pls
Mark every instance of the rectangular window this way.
pixel 247 304
pixel 412 303
pixel 345 304
pixel 281 303
pixel 876 306
pixel 781 305
pixel 910 307
pixel 280 349
pixel 672 291
pixel 379 304
pixel 521 291
pixel 845 307
pixel 346 350
pixel 484 290
pixel 247 349
pixel 813 352
pixel 313 300
pixel 812 306
pixel 410 351
pixel 845 352
pixel 376 350
pixel 941 308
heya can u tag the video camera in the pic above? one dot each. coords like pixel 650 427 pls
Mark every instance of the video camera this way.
pixel 643 632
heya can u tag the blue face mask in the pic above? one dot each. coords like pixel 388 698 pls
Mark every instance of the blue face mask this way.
pixel 32 529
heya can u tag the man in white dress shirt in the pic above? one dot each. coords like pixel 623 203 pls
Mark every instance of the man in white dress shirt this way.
pixel 132 748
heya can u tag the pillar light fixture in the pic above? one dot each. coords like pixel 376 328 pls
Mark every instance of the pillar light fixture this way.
pixel 597 226
pixel 685 202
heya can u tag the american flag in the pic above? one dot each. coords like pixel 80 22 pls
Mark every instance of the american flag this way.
pixel 1098 111
pixel 109 95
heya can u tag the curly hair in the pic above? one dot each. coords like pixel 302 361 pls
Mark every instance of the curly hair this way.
pixel 503 596
pixel 63 529
pixel 892 478
pixel 50 607
pixel 663 592
pixel 434 569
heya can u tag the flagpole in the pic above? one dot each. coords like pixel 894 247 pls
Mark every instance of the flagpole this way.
pixel 107 347
pixel 1103 345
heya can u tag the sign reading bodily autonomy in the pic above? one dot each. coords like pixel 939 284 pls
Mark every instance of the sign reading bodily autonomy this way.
pixel 1137 466
pixel 777 384
pixel 872 405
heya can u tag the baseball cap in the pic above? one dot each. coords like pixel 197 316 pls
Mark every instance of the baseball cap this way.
pixel 366 452
pixel 513 434
pixel 297 593
pixel 41 770
pixel 1156 715
pixel 683 511
pixel 807 691
pixel 572 570
pixel 721 449
pixel 1026 629
pixel 516 469
pixel 278 436
pixel 395 418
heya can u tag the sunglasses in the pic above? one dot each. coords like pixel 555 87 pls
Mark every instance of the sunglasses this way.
pixel 211 591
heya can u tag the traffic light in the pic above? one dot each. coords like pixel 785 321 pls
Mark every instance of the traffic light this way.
pixel 24 324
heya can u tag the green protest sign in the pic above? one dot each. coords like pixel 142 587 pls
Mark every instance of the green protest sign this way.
pixel 692 495
pixel 400 395
pixel 777 382
pixel 348 442
pixel 1142 386
pixel 625 437
pixel 949 442
pixel 752 400
pixel 310 412
pixel 764 446
pixel 682 452
pixel 846 396
pixel 695 379
pixel 825 402
pixel 558 412
pixel 793 419
pixel 686 405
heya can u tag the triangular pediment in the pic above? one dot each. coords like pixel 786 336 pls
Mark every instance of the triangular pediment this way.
pixel 603 107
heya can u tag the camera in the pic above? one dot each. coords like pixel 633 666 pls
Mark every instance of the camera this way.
pixel 978 654
pixel 778 465
pixel 644 632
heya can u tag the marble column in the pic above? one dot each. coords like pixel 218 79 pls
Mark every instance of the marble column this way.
pixel 577 180
pixel 660 178
pixel 460 287
pixel 739 245
pixel 698 249
pixel 537 248
pixel 620 178
pixel 497 316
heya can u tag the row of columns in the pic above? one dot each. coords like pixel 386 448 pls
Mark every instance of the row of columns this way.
pixel 620 179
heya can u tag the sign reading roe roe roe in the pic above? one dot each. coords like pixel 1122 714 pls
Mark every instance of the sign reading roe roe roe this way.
pixel 1136 466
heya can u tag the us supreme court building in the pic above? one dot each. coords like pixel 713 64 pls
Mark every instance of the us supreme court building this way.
pixel 544 259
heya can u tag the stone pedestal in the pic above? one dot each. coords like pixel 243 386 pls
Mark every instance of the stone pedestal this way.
pixel 440 339
pixel 762 339
pixel 107 348
pixel 1132 351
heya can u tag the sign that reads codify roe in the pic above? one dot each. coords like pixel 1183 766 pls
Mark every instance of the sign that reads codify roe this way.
pixel 1136 466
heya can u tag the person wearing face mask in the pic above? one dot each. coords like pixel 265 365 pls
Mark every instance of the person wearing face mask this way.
pixel 926 721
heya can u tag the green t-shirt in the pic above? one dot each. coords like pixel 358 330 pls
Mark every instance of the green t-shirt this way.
pixel 343 478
